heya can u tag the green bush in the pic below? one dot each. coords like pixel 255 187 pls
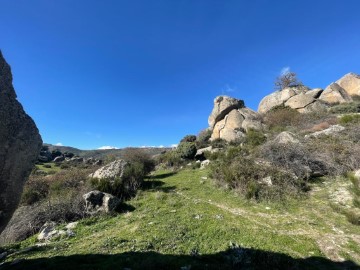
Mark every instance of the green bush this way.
pixel 218 143
pixel 353 107
pixel 136 155
pixel 350 118
pixel 281 117
pixel 245 176
pixel 186 150
pixel 188 138
pixel 170 159
pixel 203 138
pixel 34 191
pixel 255 138
pixel 124 187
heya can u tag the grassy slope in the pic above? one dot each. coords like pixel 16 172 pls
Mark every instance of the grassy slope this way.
pixel 181 219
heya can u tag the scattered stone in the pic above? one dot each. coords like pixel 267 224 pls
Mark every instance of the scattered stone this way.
pixel 47 231
pixel 113 170
pixel 20 145
pixel 329 131
pixel 204 163
pixel 198 216
pixel 266 181
pixel 219 216
pixel 72 225
pixel 3 255
pixel 357 174
pixel 172 211
pixel 286 137
pixel 59 159
pixel 204 177
pixel 97 201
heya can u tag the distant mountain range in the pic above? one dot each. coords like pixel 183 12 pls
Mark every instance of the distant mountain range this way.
pixel 102 153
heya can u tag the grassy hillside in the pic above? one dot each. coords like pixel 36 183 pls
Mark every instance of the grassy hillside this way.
pixel 101 154
pixel 182 221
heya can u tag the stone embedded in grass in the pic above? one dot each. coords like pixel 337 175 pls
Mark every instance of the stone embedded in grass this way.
pixel 97 201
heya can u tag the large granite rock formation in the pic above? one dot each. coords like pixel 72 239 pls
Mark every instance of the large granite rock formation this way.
pixel 350 83
pixel 300 98
pixel 230 119
pixel 334 93
pixel 20 144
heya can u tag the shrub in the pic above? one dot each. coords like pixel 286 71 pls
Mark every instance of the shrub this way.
pixel 294 158
pixel 218 143
pixel 35 190
pixel 47 166
pixel 254 138
pixel 245 176
pixel 186 150
pixel 350 118
pixel 124 187
pixel 136 155
pixel 203 138
pixel 170 159
pixel 352 107
pixel 188 138
pixel 280 117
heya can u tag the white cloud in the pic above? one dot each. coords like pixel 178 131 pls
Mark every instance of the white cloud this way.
pixel 174 145
pixel 107 147
pixel 152 146
pixel 228 89
pixel 59 144
pixel 285 70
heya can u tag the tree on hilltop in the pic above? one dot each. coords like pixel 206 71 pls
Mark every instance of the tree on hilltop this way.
pixel 287 79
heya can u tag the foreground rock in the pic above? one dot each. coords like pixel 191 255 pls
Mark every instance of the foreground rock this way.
pixel 97 201
pixel 230 119
pixel 113 170
pixel 20 145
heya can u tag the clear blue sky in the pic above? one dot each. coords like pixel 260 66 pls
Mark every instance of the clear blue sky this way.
pixel 132 73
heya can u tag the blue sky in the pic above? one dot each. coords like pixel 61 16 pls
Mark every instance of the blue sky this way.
pixel 133 73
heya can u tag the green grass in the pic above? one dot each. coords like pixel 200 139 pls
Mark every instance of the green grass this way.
pixel 181 219
pixel 52 169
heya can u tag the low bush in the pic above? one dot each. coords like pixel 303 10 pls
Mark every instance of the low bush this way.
pixel 350 118
pixel 35 190
pixel 186 150
pixel 353 107
pixel 255 138
pixel 170 159
pixel 246 177
pixel 281 117
pixel 188 138
pixel 136 155
pixel 124 187
pixel 218 143
pixel 203 139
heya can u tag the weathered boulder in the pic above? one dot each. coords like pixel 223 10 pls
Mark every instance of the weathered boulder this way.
pixel 335 94
pixel 20 145
pixel 97 201
pixel 286 138
pixel 232 124
pixel 222 106
pixel 113 170
pixel 350 83
pixel 299 101
pixel 329 131
pixel 315 93
pixel 279 98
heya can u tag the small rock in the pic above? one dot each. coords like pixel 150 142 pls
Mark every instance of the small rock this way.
pixel 72 225
pixel 3 255
pixel 219 216
pixel 173 211
pixel 204 163
pixel 267 208
pixel 204 178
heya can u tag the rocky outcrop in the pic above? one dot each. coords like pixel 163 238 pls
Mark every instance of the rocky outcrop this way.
pixel 20 145
pixel 113 170
pixel 329 131
pixel 97 201
pixel 335 94
pixel 286 138
pixel 350 83
pixel 230 119
pixel 300 98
